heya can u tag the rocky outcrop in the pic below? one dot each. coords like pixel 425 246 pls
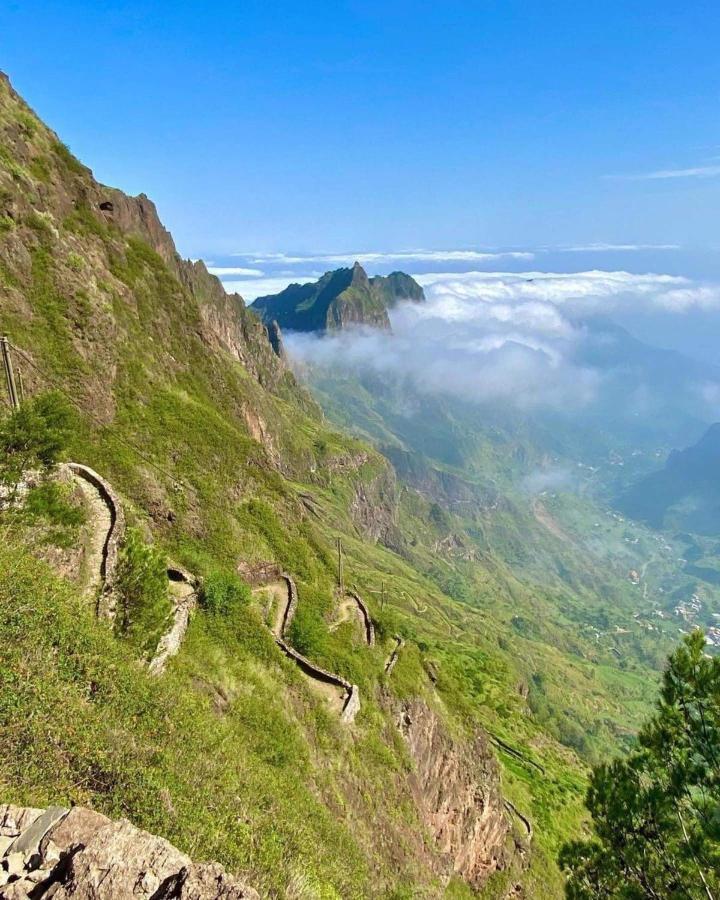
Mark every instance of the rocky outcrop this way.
pixel 457 790
pixel 340 299
pixel 373 508
pixel 343 298
pixel 61 853
pixel 397 287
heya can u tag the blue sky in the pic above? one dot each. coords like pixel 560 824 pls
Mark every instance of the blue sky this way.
pixel 329 126
pixel 287 137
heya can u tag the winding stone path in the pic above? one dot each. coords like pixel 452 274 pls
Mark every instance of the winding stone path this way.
pixel 393 658
pixel 349 698
pixel 184 591
pixel 527 824
pixel 107 528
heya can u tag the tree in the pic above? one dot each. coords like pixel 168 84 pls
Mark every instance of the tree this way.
pixel 656 812
pixel 32 438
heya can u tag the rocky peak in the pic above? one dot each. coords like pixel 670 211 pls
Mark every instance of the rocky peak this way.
pixel 340 299
pixel 359 276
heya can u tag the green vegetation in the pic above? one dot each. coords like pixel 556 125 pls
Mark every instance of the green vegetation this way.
pixel 222 592
pixel 142 587
pixel 33 438
pixel 224 463
pixel 82 723
pixel 656 812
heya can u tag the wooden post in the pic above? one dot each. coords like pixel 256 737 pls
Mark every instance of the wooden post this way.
pixel 9 375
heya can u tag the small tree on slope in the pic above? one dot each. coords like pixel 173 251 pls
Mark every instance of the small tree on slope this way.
pixel 656 811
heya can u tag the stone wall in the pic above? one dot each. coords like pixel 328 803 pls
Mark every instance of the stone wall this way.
pixel 393 658
pixel 107 602
pixel 170 642
pixel 351 705
pixel 367 621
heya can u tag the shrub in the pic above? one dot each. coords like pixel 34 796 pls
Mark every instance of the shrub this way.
pixel 33 437
pixel 223 592
pixel 142 586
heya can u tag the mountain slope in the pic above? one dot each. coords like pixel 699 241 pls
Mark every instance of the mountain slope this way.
pixel 340 299
pixel 685 494
pixel 183 402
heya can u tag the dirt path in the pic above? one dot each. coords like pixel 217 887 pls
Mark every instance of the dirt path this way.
pixel 182 589
pixel 393 658
pixel 352 607
pixel 97 527
pixel 105 529
pixel 277 603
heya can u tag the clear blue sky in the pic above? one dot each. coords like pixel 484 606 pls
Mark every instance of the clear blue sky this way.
pixel 343 125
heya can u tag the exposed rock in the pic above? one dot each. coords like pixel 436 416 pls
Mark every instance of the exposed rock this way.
pixel 340 299
pixel 457 789
pixel 60 853
pixel 373 508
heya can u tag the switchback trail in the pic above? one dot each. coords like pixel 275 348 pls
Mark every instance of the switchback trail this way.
pixel 346 700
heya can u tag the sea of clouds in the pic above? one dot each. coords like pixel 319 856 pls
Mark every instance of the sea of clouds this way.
pixel 507 337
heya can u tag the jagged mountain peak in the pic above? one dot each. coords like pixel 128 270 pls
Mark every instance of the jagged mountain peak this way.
pixel 341 298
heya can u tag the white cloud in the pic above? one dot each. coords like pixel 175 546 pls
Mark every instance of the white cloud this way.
pixel 508 337
pixel 223 271
pixel 607 248
pixel 692 172
pixel 389 256
pixel 579 292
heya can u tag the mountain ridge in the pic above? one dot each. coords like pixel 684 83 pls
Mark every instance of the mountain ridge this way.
pixel 340 299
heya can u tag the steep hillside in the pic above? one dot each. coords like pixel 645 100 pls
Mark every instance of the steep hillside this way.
pixel 339 299
pixel 685 494
pixel 217 458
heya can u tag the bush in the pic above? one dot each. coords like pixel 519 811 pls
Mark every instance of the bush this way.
pixel 33 437
pixel 142 586
pixel 224 592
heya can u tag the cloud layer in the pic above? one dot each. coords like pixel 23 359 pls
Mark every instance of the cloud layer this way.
pixel 502 336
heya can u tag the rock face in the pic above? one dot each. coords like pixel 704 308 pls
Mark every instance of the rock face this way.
pixel 47 197
pixel 397 287
pixel 60 853
pixel 457 789
pixel 340 299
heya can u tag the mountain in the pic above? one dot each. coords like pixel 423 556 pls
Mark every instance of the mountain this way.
pixel 334 677
pixel 340 299
pixel 194 435
pixel 650 396
pixel 685 494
